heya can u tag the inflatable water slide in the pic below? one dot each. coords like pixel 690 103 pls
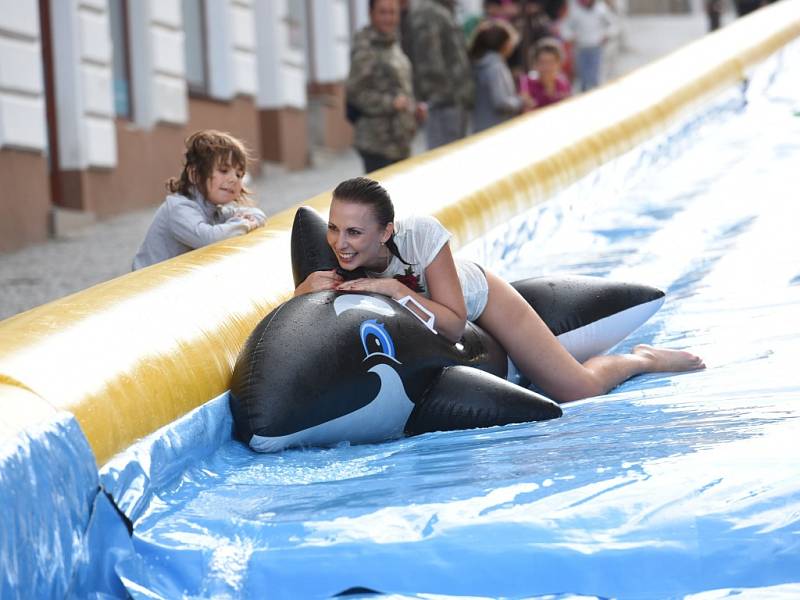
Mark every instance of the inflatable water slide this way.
pixel 121 475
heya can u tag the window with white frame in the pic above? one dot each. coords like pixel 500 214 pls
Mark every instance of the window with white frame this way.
pixel 196 46
pixel 120 69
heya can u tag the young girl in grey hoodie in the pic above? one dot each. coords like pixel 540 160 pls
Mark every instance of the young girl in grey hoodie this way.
pixel 207 202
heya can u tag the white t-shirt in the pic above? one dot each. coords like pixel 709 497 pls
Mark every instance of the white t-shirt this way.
pixel 419 240
pixel 587 26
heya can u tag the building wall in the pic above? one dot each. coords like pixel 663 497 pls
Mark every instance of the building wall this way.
pixel 659 7
pixel 329 26
pixel 281 99
pixel 275 74
pixel 148 158
pixel 83 89
pixel 157 65
pixel 24 199
pixel 148 148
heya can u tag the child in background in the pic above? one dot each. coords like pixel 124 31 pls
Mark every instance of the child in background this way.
pixel 496 98
pixel 546 84
pixel 207 202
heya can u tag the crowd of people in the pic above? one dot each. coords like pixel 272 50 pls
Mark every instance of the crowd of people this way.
pixel 415 66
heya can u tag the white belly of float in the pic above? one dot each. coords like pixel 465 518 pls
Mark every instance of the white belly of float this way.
pixel 602 335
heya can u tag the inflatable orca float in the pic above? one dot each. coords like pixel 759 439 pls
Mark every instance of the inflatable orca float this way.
pixel 329 367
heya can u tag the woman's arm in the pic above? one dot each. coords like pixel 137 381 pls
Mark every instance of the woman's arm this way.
pixel 188 224
pixel 446 301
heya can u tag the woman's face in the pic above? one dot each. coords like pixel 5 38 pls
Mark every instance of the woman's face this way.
pixel 356 237
pixel 385 15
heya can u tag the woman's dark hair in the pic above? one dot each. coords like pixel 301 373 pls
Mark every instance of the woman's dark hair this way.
pixel 366 191
pixel 205 150
pixel 490 36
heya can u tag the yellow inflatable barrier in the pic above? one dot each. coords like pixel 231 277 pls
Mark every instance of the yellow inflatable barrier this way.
pixel 130 355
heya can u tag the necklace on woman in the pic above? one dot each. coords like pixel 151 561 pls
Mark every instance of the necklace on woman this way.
pixel 386 260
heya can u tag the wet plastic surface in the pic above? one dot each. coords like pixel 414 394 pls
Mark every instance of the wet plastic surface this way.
pixel 59 535
pixel 670 486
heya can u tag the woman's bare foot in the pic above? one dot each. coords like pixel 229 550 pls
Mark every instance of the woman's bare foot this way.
pixel 665 360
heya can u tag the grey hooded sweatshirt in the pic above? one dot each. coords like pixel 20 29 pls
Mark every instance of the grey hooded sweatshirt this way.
pixel 496 98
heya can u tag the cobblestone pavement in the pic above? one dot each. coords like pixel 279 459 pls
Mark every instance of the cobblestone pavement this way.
pixel 104 250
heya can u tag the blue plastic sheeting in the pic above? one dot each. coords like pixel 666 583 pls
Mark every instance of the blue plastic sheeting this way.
pixel 671 486
pixel 59 537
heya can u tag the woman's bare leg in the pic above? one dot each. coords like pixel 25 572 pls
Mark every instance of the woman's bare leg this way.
pixel 542 358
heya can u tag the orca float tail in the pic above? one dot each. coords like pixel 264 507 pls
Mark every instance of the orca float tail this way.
pixel 590 315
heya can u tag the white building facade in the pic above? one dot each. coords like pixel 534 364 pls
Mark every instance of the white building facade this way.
pixel 97 96
pixel 24 199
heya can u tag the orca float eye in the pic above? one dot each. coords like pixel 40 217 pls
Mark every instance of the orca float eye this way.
pixel 376 339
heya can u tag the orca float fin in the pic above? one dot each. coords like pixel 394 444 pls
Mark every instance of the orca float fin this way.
pixel 466 398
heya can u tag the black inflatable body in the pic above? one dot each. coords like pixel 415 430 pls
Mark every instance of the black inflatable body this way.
pixel 332 366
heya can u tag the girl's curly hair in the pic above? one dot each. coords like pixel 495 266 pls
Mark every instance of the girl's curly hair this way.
pixel 205 150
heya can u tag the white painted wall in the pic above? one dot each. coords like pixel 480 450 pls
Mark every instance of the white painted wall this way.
pixel 243 24
pixel 231 30
pixel 330 50
pixel 219 49
pixel 467 8
pixel 22 104
pixel 83 81
pixel 359 14
pixel 281 67
pixel 250 53
pixel 158 84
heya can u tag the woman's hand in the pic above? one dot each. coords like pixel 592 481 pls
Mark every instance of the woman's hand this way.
pixel 319 281
pixel 401 103
pixel 386 286
pixel 528 103
pixel 446 301
pixel 421 112
pixel 252 222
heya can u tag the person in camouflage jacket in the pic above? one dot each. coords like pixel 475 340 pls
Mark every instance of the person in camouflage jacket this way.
pixel 442 71
pixel 380 87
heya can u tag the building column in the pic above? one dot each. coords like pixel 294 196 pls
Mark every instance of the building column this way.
pixel 87 141
pixel 25 199
pixel 281 98
pixel 329 27
pixel 149 145
pixel 243 47
pixel 156 59
pixel 232 73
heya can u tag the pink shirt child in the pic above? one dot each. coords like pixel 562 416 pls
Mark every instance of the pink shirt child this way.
pixel 534 87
